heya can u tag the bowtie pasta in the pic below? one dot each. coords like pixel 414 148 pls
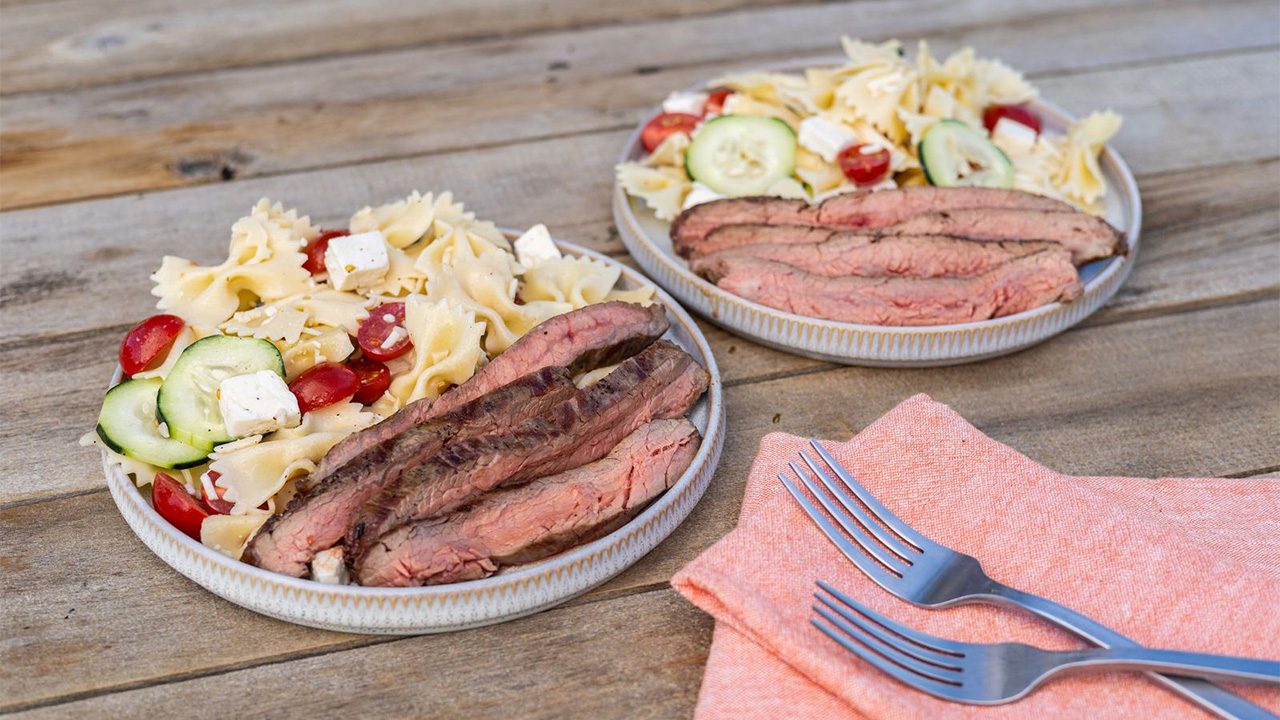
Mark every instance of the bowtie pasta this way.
pixel 461 296
pixel 860 125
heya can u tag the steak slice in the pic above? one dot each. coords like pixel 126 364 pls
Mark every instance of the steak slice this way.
pixel 850 211
pixel 592 336
pixel 661 382
pixel 880 208
pixel 852 253
pixel 728 237
pixel 317 519
pixel 1020 284
pixel 692 226
pixel 537 520
pixel 1087 237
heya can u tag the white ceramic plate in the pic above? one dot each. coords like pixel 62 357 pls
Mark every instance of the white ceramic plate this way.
pixel 648 239
pixel 508 595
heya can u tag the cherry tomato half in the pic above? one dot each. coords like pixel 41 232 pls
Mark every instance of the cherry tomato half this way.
pixel 323 385
pixel 176 505
pixel 865 164
pixel 715 100
pixel 147 341
pixel 376 332
pixel 1016 113
pixel 316 247
pixel 374 377
pixel 667 124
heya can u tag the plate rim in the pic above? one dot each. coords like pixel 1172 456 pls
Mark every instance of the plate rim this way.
pixel 1107 281
pixel 704 464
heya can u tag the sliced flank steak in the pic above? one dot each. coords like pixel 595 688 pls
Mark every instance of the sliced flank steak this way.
pixel 533 521
pixel 596 335
pixel 318 519
pixel 1018 285
pixel 661 382
pixel 853 253
pixel 851 211
pixel 1087 237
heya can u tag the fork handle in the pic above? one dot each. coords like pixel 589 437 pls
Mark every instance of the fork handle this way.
pixel 1217 700
pixel 1172 661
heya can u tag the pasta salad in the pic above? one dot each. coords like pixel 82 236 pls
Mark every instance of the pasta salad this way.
pixel 881 120
pixel 262 363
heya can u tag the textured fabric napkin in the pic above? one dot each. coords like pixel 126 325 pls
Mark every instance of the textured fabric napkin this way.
pixel 1188 564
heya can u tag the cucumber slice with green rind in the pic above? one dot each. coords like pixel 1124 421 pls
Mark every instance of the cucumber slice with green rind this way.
pixel 738 155
pixel 188 400
pixel 127 424
pixel 954 154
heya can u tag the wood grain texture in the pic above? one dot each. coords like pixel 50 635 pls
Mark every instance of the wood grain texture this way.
pixel 109 245
pixel 521 112
pixel 636 657
pixel 1211 237
pixel 72 43
pixel 1133 408
pixel 265 121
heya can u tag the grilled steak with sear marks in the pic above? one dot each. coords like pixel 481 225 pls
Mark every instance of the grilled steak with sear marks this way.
pixel 595 335
pixel 867 209
pixel 853 253
pixel 318 519
pixel 729 237
pixel 1018 285
pixel 661 382
pixel 1087 237
pixel 530 522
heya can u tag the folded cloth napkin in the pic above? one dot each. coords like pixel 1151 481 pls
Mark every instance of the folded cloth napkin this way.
pixel 1188 564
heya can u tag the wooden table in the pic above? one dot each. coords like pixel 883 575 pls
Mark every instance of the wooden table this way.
pixel 135 128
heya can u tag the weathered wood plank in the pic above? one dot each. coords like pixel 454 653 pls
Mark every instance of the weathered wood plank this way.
pixel 265 121
pixel 1212 237
pixel 85 42
pixel 1206 379
pixel 109 245
pixel 635 657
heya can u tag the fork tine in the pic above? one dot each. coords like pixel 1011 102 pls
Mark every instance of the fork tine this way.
pixel 899 673
pixel 867 621
pixel 930 642
pixel 877 509
pixel 888 539
pixel 887 650
pixel 851 551
pixel 856 532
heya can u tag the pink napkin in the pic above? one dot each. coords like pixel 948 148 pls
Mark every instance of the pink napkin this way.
pixel 1188 564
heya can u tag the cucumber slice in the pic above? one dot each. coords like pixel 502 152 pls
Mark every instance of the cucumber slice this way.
pixel 188 400
pixel 127 424
pixel 737 155
pixel 953 153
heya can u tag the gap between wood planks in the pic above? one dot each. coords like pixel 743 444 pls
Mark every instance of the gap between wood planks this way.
pixel 143 184
pixel 533 31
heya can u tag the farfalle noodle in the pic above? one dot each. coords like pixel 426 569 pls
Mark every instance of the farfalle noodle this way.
pixel 446 352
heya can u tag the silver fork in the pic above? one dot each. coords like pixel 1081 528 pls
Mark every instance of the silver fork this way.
pixel 995 673
pixel 922 572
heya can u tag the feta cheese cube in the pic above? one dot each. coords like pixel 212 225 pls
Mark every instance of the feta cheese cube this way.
pixel 328 567
pixel 355 261
pixel 257 403
pixel 700 194
pixel 535 246
pixel 690 103
pixel 825 138
pixel 1013 136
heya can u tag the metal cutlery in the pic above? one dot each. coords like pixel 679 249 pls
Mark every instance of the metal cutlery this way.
pixel 922 572
pixel 995 673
